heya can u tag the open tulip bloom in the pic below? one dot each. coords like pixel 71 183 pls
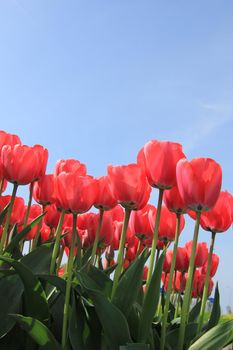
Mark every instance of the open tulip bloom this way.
pixel 89 264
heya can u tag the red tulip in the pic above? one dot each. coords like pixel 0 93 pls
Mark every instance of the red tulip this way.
pixel 214 265
pixel 18 211
pixel 8 139
pixel 35 211
pixel 23 164
pixel 105 199
pixel 44 190
pixel 173 201
pixel 182 260
pixel 70 166
pixel 117 230
pixel 45 233
pixel 167 261
pixel 106 231
pixel 129 185
pixel 180 282
pixel 75 193
pixel 167 224
pixel 116 213
pixel 139 223
pixel 52 216
pixel 201 254
pixel 159 159
pixel 201 283
pixel 199 182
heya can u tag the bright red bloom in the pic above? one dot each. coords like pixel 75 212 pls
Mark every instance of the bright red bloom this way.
pixel 201 284
pixel 70 166
pixel 106 231
pixel 180 282
pixel 139 223
pixel 167 224
pixel 45 233
pixel 182 260
pixel 75 193
pixel 117 230
pixel 105 199
pixel 167 261
pixel 8 139
pixel 129 185
pixel 199 182
pixel 173 201
pixel 44 190
pixel 159 159
pixel 18 211
pixel 35 211
pixel 160 245
pixel 201 254
pixel 214 265
pixel 23 164
pixel 116 213
pixel 52 216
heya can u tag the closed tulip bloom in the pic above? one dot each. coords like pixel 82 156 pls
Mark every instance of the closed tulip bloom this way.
pixel 213 267
pixel 105 199
pixel 52 216
pixel 44 190
pixel 199 182
pixel 116 213
pixel 74 193
pixel 117 231
pixel 167 224
pixel 159 159
pixel 8 139
pixel 129 185
pixel 182 260
pixel 70 166
pixel 18 211
pixel 173 201
pixel 23 164
pixel 139 223
pixel 35 211
pixel 167 261
pixel 180 282
pixel 106 231
pixel 200 285
pixel 201 254
pixel 45 233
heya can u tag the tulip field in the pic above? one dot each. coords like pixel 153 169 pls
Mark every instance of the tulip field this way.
pixel 91 263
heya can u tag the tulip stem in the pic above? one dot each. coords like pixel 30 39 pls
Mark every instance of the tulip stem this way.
pixel 206 285
pixel 57 242
pixel 59 260
pixel 1 186
pixel 155 239
pixel 169 287
pixel 29 205
pixel 121 250
pixel 68 283
pixel 97 237
pixel 35 240
pixel 6 226
pixel 188 288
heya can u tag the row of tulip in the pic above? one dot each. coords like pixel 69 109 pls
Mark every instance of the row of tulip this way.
pixel 125 223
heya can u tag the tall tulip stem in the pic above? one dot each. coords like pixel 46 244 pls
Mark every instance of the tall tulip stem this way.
pixel 206 285
pixel 169 287
pixel 97 237
pixel 155 238
pixel 121 250
pixel 57 242
pixel 29 205
pixel 6 226
pixel 188 289
pixel 68 283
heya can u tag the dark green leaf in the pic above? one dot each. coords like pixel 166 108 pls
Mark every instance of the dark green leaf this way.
pixel 216 310
pixel 86 256
pixel 151 301
pixel 110 270
pixel 38 332
pixel 3 213
pixel 39 259
pixel 129 285
pixel 194 313
pixel 96 279
pixel 135 346
pixel 55 281
pixel 215 338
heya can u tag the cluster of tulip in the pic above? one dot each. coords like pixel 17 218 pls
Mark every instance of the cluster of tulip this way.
pixel 125 222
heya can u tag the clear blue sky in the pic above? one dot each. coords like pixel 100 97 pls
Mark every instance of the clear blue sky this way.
pixel 95 80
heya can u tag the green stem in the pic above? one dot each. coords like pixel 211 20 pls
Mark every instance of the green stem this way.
pixel 169 287
pixel 97 237
pixel 155 239
pixel 188 288
pixel 36 238
pixel 59 260
pixel 68 283
pixel 57 242
pixel 121 250
pixel 6 226
pixel 29 205
pixel 206 285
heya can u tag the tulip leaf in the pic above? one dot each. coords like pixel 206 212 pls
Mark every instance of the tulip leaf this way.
pixel 129 285
pixel 135 346
pixel 39 259
pixel 151 301
pixel 114 323
pixel 38 332
pixel 97 278
pixel 216 310
pixel 215 338
pixel 35 298
pixel 194 313
pixel 55 281
pixel 3 213
pixel 17 238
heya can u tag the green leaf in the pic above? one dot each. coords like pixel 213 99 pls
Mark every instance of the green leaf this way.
pixel 86 256
pixel 215 338
pixel 114 323
pixel 55 281
pixel 39 259
pixel 11 290
pixel 216 310
pixel 17 238
pixel 129 285
pixel 194 313
pixel 135 346
pixel 151 301
pixel 38 332
pixel 96 279
pixel 35 298
pixel 3 213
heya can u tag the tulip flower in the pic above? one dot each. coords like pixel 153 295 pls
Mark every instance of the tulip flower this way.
pixel 70 166
pixel 213 266
pixel 173 201
pixel 182 260
pixel 139 223
pixel 44 190
pixel 201 254
pixel 105 199
pixel 18 210
pixel 52 216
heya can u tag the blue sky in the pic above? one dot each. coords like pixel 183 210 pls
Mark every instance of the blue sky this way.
pixel 95 80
